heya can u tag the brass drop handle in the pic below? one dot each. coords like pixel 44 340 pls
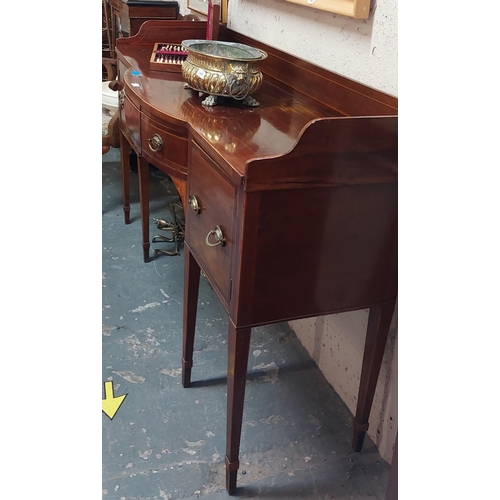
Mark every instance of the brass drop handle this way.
pixel 155 143
pixel 217 235
pixel 193 202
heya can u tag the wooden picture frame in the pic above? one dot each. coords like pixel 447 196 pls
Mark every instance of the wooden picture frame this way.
pixel 359 9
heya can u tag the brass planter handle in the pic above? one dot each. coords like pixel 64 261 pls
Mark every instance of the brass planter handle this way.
pixel 218 236
pixel 155 143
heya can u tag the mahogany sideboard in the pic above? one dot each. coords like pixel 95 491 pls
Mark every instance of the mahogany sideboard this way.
pixel 290 207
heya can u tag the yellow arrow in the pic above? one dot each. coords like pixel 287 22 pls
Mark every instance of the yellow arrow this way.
pixel 110 404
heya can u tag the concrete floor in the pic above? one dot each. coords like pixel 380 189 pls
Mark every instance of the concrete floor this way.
pixel 167 442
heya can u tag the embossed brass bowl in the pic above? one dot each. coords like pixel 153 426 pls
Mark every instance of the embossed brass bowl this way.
pixel 223 69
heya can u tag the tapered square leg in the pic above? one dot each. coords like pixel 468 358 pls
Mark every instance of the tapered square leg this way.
pixel 143 169
pixel 191 289
pixel 125 164
pixel 379 323
pixel 238 349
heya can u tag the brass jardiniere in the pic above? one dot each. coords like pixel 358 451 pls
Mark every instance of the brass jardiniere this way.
pixel 223 69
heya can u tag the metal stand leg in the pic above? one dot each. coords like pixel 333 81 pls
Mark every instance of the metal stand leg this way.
pixel 176 228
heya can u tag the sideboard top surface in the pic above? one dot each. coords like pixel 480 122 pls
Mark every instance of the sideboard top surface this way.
pixel 235 133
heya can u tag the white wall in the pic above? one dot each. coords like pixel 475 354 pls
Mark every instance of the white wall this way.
pixel 366 51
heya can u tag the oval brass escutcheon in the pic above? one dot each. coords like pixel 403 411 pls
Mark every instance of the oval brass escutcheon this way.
pixel 155 143
pixel 193 202
pixel 218 236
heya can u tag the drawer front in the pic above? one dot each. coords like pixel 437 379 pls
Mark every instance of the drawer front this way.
pixel 167 147
pixel 216 200
pixel 153 11
pixel 130 118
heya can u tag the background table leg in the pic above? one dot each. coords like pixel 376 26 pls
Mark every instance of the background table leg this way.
pixel 143 168
pixel 125 162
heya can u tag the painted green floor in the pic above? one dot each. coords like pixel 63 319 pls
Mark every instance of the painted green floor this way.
pixel 167 442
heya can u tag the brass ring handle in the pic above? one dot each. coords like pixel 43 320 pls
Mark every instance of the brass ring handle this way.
pixel 155 143
pixel 218 236
pixel 193 202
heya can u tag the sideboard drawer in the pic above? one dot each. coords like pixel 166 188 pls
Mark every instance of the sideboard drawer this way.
pixel 210 219
pixel 166 147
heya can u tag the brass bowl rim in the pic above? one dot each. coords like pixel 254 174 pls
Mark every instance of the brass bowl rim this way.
pixel 260 54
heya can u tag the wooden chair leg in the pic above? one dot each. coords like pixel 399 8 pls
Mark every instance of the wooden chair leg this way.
pixel 143 169
pixel 379 322
pixel 238 349
pixel 191 288
pixel 110 69
pixel 125 162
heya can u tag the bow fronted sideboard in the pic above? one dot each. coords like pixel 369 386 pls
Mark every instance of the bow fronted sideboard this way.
pixel 290 206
